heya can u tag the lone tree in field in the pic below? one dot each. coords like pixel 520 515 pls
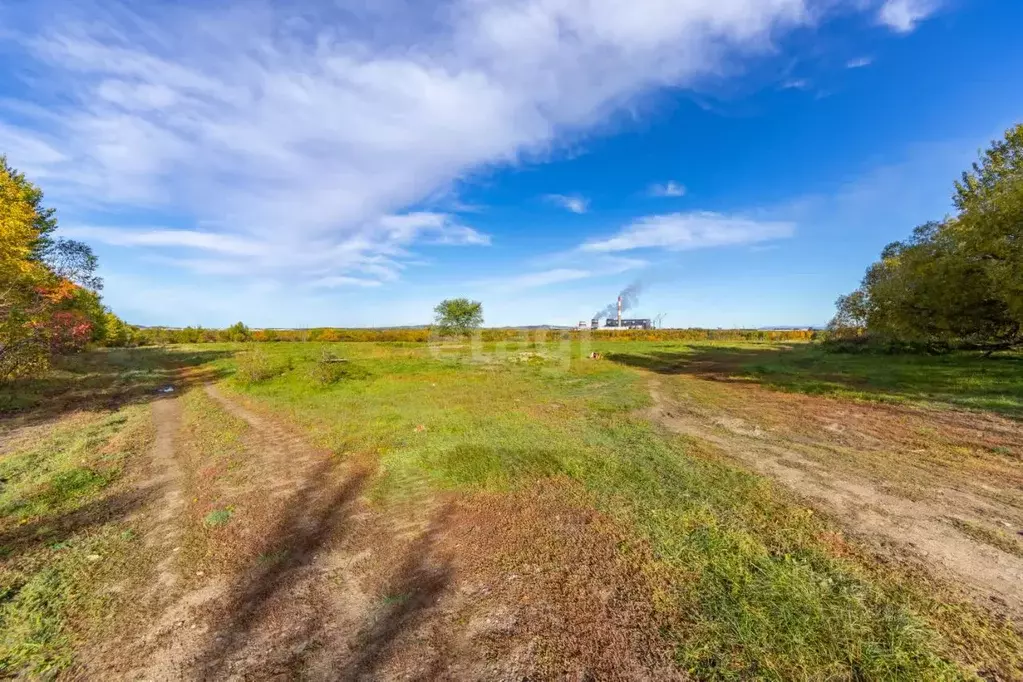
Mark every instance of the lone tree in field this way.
pixel 458 316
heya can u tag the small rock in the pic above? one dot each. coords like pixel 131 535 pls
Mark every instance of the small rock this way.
pixel 94 557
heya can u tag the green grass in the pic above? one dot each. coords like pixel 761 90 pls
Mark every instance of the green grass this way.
pixel 63 470
pixel 63 537
pixel 756 591
pixel 961 379
pixel 966 380
pixel 218 517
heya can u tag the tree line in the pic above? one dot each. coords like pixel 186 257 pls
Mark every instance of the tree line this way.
pixel 418 335
pixel 955 283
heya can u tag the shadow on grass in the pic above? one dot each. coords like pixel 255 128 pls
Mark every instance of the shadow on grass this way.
pixel 104 379
pixel 961 379
pixel 414 587
pixel 50 530
pixel 318 515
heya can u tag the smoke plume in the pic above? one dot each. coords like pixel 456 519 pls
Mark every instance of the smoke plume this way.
pixel 630 298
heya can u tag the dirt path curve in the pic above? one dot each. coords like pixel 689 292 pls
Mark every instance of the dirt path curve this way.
pixel 919 526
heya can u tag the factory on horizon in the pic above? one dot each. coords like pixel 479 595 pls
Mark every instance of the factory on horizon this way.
pixel 619 323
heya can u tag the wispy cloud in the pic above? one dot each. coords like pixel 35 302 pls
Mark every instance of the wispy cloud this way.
pixel 688 231
pixel 796 84
pixel 573 266
pixel 344 281
pixel 308 131
pixel 569 202
pixel 903 16
pixel 859 62
pixel 532 280
pixel 378 248
pixel 190 239
pixel 667 189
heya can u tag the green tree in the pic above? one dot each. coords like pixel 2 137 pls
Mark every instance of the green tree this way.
pixel 458 316
pixel 118 334
pixel 957 283
pixel 238 332
pixel 990 222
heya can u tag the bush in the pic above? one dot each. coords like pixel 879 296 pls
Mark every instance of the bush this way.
pixel 330 369
pixel 257 366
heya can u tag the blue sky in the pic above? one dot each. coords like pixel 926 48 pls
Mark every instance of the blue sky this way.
pixel 352 163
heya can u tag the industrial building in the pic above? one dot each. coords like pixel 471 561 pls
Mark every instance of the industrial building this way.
pixel 619 323
pixel 615 323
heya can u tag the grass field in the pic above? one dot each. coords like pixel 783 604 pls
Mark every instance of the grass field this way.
pixel 738 571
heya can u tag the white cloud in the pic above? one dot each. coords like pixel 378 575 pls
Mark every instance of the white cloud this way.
pixel 569 202
pixel 571 266
pixel 796 84
pixel 859 62
pixel 688 231
pixel 343 281
pixel 377 248
pixel 546 278
pixel 309 133
pixel 668 189
pixel 191 239
pixel 903 16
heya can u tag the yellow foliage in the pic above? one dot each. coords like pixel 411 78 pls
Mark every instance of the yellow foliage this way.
pixel 17 229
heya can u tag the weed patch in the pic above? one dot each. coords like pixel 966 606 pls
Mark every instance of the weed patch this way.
pixel 218 517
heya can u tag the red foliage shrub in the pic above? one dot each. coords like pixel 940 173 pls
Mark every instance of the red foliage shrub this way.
pixel 69 331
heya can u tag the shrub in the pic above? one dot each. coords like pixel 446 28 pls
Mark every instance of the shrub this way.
pixel 257 366
pixel 330 369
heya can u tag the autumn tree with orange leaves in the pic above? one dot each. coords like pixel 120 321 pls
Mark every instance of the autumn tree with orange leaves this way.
pixel 49 301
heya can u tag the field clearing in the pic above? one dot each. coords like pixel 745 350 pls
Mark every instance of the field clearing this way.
pixel 495 511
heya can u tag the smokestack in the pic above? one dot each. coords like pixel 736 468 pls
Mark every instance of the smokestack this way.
pixel 627 300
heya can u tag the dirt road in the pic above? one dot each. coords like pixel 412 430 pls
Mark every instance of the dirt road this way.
pixel 843 458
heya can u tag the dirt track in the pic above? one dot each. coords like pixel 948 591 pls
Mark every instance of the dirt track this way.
pixel 478 587
pixel 806 460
